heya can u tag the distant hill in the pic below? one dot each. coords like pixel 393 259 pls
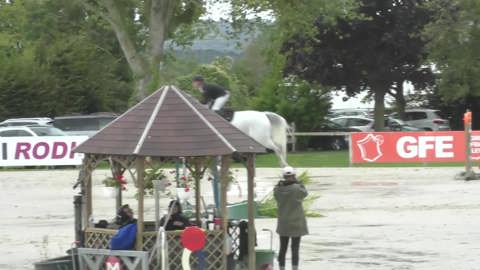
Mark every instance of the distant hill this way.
pixel 215 44
pixel 206 56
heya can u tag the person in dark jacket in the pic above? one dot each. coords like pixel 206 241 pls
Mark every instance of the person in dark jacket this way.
pixel 291 222
pixel 214 95
pixel 127 232
pixel 177 220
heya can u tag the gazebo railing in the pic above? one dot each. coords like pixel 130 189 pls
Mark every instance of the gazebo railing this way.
pixel 96 259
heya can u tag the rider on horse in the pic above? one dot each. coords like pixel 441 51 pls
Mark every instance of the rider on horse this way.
pixel 213 95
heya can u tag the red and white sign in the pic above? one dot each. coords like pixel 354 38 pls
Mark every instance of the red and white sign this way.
pixel 475 145
pixel 113 263
pixel 40 151
pixel 411 147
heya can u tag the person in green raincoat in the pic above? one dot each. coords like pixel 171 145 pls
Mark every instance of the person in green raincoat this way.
pixel 291 222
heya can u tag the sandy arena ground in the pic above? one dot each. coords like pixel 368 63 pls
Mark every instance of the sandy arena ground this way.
pixel 375 218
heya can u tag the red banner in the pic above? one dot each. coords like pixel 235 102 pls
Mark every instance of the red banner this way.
pixel 412 147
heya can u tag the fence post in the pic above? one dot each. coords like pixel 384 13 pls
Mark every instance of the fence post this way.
pixel 294 138
pixel 350 150
pixel 467 120
pixel 77 203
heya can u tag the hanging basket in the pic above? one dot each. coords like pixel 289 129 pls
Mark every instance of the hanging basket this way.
pixel 110 192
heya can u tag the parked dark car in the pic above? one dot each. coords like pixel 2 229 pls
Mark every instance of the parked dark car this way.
pixel 392 124
pixel 333 142
pixel 79 125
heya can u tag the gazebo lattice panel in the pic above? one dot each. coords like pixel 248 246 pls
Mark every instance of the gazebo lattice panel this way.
pixel 98 238
pixel 234 233
pixel 214 255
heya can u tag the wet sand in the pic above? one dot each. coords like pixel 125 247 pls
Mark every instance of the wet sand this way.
pixel 374 218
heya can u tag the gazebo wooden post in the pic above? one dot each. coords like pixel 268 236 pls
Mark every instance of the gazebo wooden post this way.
pixel 140 188
pixel 197 175
pixel 223 197
pixel 251 210
pixel 88 189
pixel 116 171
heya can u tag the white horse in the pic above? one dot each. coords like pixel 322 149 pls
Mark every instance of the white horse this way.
pixel 267 128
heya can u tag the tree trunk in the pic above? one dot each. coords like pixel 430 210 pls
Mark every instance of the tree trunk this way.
pixel 142 86
pixel 473 104
pixel 379 112
pixel 401 102
pixel 144 65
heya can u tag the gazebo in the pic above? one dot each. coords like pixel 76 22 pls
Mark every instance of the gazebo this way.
pixel 167 125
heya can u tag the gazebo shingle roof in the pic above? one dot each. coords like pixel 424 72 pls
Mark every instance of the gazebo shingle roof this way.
pixel 169 123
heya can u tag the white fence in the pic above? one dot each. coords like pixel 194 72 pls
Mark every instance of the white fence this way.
pixel 292 139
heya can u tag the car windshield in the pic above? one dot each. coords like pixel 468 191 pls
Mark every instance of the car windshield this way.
pixel 441 114
pixel 330 124
pixel 47 131
pixel 398 122
pixel 82 123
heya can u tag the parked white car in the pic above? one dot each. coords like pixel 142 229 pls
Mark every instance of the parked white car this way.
pixel 361 123
pixel 30 131
pixel 13 122
pixel 425 119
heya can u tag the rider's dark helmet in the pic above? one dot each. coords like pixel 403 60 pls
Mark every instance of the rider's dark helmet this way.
pixel 198 78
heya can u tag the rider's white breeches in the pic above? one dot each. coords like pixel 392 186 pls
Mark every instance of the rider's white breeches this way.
pixel 220 102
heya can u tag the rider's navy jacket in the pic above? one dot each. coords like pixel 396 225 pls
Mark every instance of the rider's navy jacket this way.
pixel 212 92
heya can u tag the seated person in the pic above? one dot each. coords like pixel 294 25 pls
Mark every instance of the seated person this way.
pixel 177 220
pixel 127 233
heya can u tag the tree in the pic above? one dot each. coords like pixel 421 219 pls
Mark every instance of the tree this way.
pixel 54 62
pixel 290 17
pixel 454 39
pixel 375 52
pixel 142 27
pixel 218 72
pixel 295 99
pixel 252 69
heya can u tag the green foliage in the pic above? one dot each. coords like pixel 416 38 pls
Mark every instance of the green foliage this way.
pixel 111 182
pixel 292 17
pixel 23 87
pixel 268 206
pixel 153 173
pixel 454 39
pixel 58 63
pixel 252 69
pixel 304 178
pixel 218 72
pixel 295 99
pixel 377 52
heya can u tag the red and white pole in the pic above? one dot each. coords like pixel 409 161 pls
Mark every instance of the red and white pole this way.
pixel 467 120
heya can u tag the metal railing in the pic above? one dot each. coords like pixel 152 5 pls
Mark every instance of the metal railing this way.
pixel 95 259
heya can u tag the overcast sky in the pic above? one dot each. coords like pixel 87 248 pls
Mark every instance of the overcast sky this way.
pixel 216 11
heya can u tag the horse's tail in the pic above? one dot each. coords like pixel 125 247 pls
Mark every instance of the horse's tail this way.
pixel 280 132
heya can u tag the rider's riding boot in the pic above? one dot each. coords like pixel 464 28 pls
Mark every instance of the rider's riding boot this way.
pixel 295 267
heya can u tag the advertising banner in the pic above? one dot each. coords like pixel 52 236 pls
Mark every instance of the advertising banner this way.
pixel 475 145
pixel 412 147
pixel 40 151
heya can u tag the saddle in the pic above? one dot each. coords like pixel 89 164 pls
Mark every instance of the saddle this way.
pixel 226 113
